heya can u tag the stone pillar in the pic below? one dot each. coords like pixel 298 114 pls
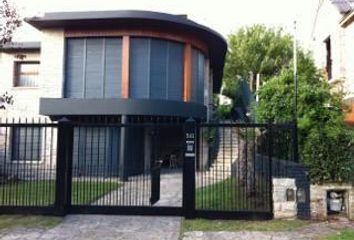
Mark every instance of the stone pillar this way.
pixel 282 206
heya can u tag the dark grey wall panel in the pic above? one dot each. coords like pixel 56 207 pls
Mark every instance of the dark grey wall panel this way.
pixel 93 68
pixel 95 151
pixel 194 78
pixel 113 67
pixel 158 69
pixel 135 151
pixel 198 76
pixel 113 106
pixel 75 68
pixel 139 68
pixel 175 71
pixel 201 77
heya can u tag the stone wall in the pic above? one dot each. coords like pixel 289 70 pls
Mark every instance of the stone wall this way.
pixel 283 207
pixel 282 171
pixel 318 200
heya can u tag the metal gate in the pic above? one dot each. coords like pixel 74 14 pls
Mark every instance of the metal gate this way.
pixel 221 170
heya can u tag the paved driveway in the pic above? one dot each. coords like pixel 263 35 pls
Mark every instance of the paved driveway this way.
pixel 100 227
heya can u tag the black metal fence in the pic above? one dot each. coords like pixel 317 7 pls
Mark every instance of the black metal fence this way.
pixel 141 165
pixel 27 164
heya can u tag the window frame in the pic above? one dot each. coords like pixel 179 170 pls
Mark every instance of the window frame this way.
pixel 17 72
pixel 329 60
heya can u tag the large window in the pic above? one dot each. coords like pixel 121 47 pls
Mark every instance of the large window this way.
pixel 26 143
pixel 26 74
pixel 93 68
pixel 156 69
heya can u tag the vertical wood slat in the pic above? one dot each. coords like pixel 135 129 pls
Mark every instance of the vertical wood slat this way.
pixel 125 66
pixel 187 72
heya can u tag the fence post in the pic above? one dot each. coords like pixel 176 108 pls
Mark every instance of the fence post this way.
pixel 64 166
pixel 270 156
pixel 295 142
pixel 189 168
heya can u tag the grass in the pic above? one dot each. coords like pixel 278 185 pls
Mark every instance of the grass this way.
pixel 227 195
pixel 19 221
pixel 342 235
pixel 233 225
pixel 42 193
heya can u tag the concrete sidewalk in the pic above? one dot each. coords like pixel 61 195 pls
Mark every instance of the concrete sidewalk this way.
pixel 101 227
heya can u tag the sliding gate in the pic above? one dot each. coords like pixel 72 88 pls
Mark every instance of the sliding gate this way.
pixel 190 169
pixel 132 168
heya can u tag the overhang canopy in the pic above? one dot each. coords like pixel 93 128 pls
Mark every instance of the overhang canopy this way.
pixel 21 46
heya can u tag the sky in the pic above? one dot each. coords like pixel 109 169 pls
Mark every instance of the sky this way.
pixel 224 16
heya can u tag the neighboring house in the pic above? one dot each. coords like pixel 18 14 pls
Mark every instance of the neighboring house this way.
pixel 119 65
pixel 333 38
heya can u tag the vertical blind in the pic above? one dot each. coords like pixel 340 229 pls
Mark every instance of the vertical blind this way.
pixel 93 68
pixel 198 76
pixel 156 69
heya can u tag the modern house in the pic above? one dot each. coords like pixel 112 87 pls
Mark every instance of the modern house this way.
pixel 333 34
pixel 117 67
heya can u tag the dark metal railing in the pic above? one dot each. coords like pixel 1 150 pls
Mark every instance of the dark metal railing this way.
pixel 239 176
pixel 141 165
pixel 27 162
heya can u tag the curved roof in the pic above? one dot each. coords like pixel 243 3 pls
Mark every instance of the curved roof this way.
pixel 128 18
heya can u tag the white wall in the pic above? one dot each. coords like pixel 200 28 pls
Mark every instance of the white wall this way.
pixel 327 25
pixel 52 63
pixel 342 47
pixel 26 99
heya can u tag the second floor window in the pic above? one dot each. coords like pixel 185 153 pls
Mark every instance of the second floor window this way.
pixel 26 74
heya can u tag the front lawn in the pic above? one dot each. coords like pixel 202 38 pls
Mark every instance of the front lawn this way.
pixel 235 225
pixel 42 192
pixel 20 221
pixel 229 195
pixel 342 235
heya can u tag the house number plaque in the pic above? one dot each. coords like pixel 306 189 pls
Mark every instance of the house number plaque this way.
pixel 190 145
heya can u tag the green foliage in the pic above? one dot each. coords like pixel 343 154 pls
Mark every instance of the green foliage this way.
pixel 346 234
pixel 326 144
pixel 224 111
pixel 256 49
pixel 10 21
pixel 206 225
pixel 328 154
pixel 210 134
pixel 8 222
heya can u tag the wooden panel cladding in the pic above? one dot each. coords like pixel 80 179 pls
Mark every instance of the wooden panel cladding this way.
pixel 187 72
pixel 168 35
pixel 125 66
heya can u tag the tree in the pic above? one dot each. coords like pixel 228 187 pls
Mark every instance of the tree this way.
pixel 9 21
pixel 325 143
pixel 255 49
